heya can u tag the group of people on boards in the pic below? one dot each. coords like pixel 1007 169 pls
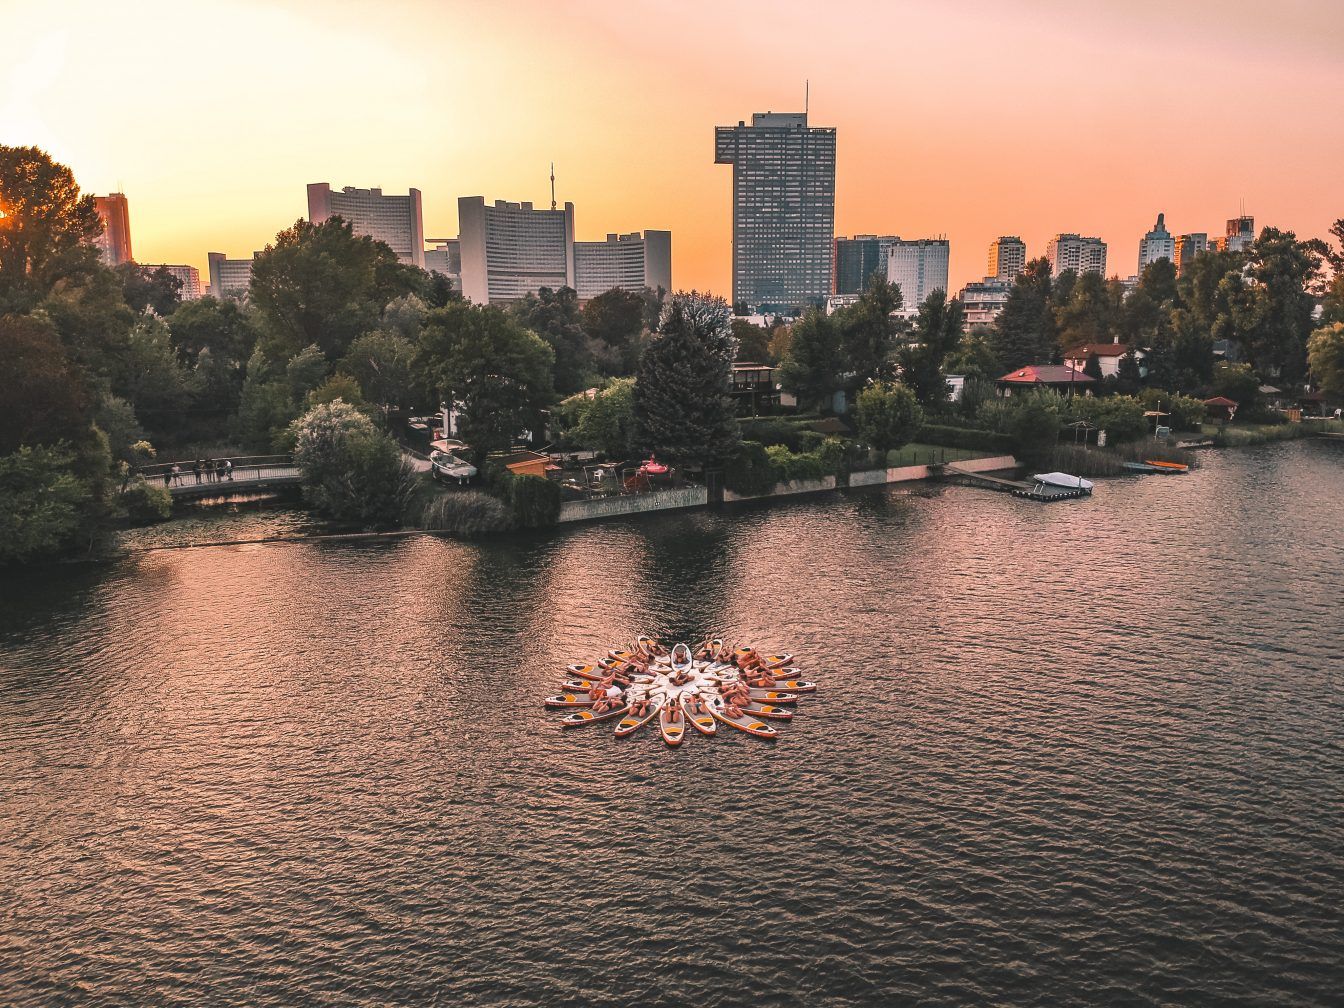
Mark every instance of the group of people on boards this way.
pixel 618 685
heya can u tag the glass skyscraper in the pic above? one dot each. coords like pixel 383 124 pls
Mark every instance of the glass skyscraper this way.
pixel 783 209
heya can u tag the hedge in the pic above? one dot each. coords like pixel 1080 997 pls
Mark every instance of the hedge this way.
pixel 533 501
pixel 964 437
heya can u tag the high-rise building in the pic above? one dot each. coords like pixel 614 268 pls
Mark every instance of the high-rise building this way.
pixel 396 220
pixel 1157 244
pixel 858 258
pixel 1187 246
pixel 783 209
pixel 630 262
pixel 511 249
pixel 114 244
pixel 189 275
pixel 1007 258
pixel 229 277
pixel 1072 252
pixel 445 256
pixel 983 301
pixel 918 267
pixel 1240 234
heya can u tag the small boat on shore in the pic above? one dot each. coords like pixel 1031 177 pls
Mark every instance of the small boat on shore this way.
pixel 1141 467
pixel 1167 467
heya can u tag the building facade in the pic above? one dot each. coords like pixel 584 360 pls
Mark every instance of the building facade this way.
pixel 783 209
pixel 1186 247
pixel 630 262
pixel 1240 234
pixel 509 250
pixel 1156 244
pixel 444 255
pixel 190 277
pixel 982 302
pixel 1073 252
pixel 114 244
pixel 396 220
pixel 229 277
pixel 918 267
pixel 1007 258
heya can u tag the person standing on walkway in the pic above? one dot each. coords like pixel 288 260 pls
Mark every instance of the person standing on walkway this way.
pixel 176 470
pixel 196 469
pixel 228 469
pixel 167 477
pixel 209 468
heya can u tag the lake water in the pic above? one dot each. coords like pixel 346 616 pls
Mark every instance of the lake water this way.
pixel 1086 752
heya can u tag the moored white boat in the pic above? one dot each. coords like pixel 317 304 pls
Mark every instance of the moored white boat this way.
pixel 1065 480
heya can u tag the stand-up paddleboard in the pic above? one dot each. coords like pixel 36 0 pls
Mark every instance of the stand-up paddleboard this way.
pixel 773 696
pixel 632 722
pixel 767 711
pixel 588 717
pixel 795 685
pixel 672 731
pixel 702 722
pixel 749 723
pixel 568 700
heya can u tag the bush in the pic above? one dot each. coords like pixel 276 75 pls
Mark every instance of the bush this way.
pixel 1119 415
pixel 1184 412
pixel 532 501
pixel 1033 425
pixel 352 471
pixel 535 500
pixel 964 437
pixel 146 502
pixel 888 415
pixel 790 466
pixel 834 458
pixel 750 471
pixel 466 513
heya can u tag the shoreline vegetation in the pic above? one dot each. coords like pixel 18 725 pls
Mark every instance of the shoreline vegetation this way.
pixel 341 357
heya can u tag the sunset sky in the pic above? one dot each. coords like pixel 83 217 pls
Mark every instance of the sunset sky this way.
pixel 965 118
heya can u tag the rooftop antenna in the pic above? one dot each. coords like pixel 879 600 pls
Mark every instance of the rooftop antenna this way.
pixel 552 185
pixel 807 95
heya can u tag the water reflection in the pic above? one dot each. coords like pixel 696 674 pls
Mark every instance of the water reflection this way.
pixel 1087 747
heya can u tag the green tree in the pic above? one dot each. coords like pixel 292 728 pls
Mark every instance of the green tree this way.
pixel 351 471
pixel 1025 330
pixel 974 357
pixel 937 333
pixel 1033 424
pixel 321 284
pixel 498 372
pixel 46 229
pixel 384 365
pixel 868 333
pixel 337 386
pixel 148 288
pixel 222 327
pixel 1325 351
pixel 1277 317
pixel 613 322
pixel 753 342
pixel 1086 316
pixel 808 367
pixel 554 316
pixel 41 503
pixel 888 415
pixel 149 375
pixel 1241 384
pixel 608 424
pixel 682 399
pixel 45 398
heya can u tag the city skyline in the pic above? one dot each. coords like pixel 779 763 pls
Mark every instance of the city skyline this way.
pixel 641 157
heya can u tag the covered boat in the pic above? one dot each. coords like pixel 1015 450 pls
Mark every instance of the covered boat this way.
pixel 1065 480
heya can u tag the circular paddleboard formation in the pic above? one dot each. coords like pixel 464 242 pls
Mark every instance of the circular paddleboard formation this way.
pixel 683 691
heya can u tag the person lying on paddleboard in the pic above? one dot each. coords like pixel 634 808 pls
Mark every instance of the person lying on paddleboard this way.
pixel 694 704
pixel 639 706
pixel 610 698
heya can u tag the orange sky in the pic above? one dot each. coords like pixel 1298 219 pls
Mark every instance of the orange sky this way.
pixel 965 118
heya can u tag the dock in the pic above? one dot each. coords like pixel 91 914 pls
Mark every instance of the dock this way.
pixel 1018 488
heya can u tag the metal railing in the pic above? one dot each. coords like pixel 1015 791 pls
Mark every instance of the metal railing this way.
pixel 193 473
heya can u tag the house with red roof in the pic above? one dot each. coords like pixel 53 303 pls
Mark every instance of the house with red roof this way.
pixel 1059 377
pixel 1108 356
